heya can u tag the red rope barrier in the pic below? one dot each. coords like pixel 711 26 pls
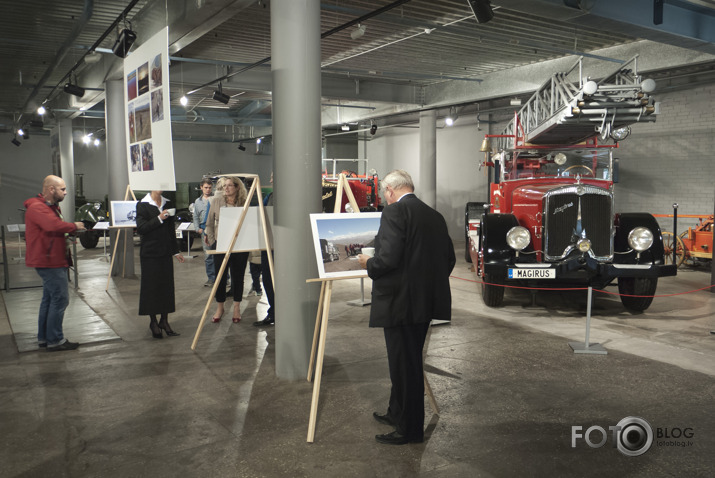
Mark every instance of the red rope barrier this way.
pixel 579 288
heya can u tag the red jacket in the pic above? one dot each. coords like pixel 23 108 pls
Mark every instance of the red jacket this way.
pixel 45 234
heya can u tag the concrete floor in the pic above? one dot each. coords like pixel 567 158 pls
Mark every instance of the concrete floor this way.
pixel 508 385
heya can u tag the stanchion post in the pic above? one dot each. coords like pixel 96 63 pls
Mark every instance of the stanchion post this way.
pixel 675 233
pixel 585 347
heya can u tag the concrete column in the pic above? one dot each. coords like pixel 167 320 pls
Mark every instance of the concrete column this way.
pixel 295 68
pixel 117 172
pixel 426 189
pixel 67 168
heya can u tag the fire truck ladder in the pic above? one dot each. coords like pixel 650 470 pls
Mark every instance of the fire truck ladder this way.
pixel 565 111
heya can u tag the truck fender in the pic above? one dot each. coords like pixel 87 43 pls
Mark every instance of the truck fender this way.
pixel 493 232
pixel 625 222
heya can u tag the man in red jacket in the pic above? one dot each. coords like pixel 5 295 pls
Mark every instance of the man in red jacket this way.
pixel 48 252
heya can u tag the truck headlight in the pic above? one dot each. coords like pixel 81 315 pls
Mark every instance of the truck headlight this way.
pixel 640 238
pixel 518 238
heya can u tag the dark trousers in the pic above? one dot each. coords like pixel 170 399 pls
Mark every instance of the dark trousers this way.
pixel 404 356
pixel 237 265
pixel 255 275
pixel 268 283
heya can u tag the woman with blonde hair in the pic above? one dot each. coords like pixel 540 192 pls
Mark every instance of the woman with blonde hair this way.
pixel 234 195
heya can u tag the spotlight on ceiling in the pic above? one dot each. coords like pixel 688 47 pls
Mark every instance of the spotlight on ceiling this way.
pixel 124 42
pixel 241 147
pixel 373 129
pixel 41 110
pixel 220 96
pixel 73 89
pixel 21 132
pixel 345 127
pixel 515 102
pixel 482 10
pixel 358 32
pixel 451 118
pixel 15 141
pixel 184 100
pixel 258 140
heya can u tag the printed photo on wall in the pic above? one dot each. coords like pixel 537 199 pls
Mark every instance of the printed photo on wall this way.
pixel 124 213
pixel 143 79
pixel 147 156
pixel 339 238
pixel 142 120
pixel 156 72
pixel 157 105
pixel 132 85
pixel 136 157
pixel 132 124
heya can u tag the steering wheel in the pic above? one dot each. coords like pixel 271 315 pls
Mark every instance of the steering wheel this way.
pixel 580 166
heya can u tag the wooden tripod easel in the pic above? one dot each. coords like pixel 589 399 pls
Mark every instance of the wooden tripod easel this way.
pixel 127 237
pixel 321 323
pixel 255 189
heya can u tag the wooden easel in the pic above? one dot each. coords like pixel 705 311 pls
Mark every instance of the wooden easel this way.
pixel 255 189
pixel 321 322
pixel 127 237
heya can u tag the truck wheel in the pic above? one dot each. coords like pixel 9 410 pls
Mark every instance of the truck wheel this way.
pixel 637 286
pixel 89 239
pixel 493 295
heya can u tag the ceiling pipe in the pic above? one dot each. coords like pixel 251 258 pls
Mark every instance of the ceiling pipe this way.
pixel 330 32
pixel 62 52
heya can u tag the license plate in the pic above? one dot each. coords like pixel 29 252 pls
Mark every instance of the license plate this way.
pixel 532 273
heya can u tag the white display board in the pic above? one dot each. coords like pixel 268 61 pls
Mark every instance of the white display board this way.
pixel 250 237
pixel 150 156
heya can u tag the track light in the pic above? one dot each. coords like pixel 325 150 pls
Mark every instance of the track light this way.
pixel 241 147
pixel 124 42
pixel 21 132
pixel 184 100
pixel 258 140
pixel 358 32
pixel 345 127
pixel 41 110
pixel 15 141
pixel 482 10
pixel 96 141
pixel 73 89
pixel 451 118
pixel 220 96
pixel 373 129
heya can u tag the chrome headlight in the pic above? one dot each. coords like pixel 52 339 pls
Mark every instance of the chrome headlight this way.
pixel 640 238
pixel 584 245
pixel 518 238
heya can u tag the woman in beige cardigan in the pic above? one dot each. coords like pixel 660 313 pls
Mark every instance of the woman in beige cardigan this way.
pixel 234 195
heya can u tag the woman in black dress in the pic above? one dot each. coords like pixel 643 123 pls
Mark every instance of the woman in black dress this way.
pixel 155 225
pixel 234 195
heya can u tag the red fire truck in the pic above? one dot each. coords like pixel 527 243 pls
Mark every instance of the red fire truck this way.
pixel 550 219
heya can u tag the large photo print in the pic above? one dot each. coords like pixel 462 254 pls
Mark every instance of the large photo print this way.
pixel 339 238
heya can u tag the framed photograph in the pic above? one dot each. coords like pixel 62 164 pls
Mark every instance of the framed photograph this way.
pixel 124 213
pixel 339 238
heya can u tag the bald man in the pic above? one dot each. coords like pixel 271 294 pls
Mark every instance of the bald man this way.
pixel 48 252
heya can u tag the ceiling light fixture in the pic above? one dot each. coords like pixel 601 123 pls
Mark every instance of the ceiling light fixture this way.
pixel 21 132
pixel 125 40
pixel 451 118
pixel 258 140
pixel 41 110
pixel 241 147
pixel 72 89
pixel 184 100
pixel 345 127
pixel 15 141
pixel 373 129
pixel 220 96
pixel 482 10
pixel 358 32
pixel 515 102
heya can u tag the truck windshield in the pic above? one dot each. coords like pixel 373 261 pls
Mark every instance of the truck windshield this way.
pixel 586 163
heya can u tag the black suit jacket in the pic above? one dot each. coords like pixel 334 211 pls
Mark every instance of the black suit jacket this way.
pixel 414 257
pixel 158 239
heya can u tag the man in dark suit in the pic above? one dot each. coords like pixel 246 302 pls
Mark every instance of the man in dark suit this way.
pixel 414 257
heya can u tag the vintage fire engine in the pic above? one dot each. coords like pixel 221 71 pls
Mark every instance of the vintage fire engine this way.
pixel 364 188
pixel 551 217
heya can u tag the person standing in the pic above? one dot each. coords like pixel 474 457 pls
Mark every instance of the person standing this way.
pixel 48 252
pixel 414 257
pixel 234 195
pixel 201 210
pixel 155 225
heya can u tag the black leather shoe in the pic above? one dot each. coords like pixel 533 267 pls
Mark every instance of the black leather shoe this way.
pixel 267 321
pixel 65 346
pixel 394 438
pixel 384 419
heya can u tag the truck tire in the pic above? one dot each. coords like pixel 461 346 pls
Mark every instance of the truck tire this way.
pixel 637 286
pixel 89 239
pixel 493 295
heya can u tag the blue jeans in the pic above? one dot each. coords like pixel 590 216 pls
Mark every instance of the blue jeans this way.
pixel 209 259
pixel 55 298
